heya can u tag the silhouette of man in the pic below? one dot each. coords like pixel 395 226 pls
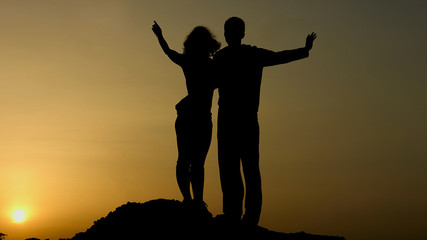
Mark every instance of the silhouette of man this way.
pixel 240 70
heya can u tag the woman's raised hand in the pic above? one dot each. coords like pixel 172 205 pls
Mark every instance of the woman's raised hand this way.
pixel 156 29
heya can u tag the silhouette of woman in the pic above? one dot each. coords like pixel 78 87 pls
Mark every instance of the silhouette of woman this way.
pixel 193 125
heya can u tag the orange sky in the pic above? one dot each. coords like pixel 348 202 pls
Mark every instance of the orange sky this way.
pixel 87 111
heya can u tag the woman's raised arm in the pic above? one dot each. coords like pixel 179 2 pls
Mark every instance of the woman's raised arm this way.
pixel 173 55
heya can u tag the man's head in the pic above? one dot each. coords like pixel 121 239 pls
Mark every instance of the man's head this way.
pixel 234 31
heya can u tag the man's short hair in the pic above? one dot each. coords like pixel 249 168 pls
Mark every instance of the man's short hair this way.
pixel 235 24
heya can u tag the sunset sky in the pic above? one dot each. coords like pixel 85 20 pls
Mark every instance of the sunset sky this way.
pixel 87 113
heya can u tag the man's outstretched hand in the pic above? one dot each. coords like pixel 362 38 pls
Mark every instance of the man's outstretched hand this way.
pixel 309 41
pixel 156 29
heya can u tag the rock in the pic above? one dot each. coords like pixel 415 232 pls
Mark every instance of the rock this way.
pixel 167 219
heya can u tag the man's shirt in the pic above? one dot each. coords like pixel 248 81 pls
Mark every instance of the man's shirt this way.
pixel 239 75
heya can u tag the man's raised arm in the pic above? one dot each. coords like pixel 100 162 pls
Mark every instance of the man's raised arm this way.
pixel 275 58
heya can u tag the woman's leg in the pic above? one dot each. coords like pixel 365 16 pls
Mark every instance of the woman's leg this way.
pixel 202 140
pixel 183 163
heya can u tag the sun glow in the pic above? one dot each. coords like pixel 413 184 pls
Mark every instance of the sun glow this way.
pixel 18 216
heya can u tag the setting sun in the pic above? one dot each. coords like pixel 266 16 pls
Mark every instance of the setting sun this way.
pixel 19 216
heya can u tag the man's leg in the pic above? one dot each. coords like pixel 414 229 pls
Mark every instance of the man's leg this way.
pixel 229 169
pixel 251 171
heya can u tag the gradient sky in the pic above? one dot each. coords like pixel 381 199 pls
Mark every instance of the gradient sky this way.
pixel 87 111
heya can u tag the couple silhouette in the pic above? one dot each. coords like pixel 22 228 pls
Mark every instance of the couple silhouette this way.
pixel 236 71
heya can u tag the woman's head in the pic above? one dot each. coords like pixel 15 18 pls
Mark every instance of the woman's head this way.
pixel 201 42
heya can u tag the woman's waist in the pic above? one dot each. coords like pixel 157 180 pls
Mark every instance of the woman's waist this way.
pixel 195 104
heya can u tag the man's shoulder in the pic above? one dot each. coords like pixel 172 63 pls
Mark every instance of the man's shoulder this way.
pixel 222 51
pixel 246 46
pixel 243 47
pixel 250 50
pixel 254 49
pixel 220 54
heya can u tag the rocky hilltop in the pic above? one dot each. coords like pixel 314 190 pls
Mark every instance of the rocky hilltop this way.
pixel 167 219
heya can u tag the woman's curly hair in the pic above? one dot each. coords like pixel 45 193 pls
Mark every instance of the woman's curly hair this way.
pixel 200 41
